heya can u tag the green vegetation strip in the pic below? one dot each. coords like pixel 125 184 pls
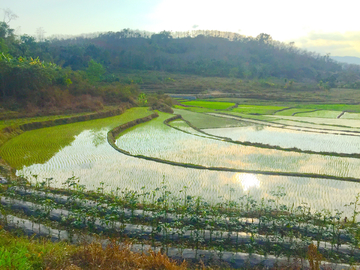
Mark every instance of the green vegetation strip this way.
pixel 111 140
pixel 257 109
pixel 210 104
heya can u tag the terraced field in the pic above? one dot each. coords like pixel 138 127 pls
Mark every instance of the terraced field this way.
pixel 166 168
pixel 153 139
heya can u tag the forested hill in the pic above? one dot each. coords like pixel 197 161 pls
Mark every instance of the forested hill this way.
pixel 49 72
pixel 208 53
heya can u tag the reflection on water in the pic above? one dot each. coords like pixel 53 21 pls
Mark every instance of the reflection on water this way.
pixel 93 160
pixel 248 181
pixel 291 138
pixel 163 142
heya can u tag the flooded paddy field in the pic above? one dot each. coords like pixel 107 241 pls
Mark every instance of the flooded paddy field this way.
pixel 87 155
pixel 291 138
pixel 94 163
pixel 153 139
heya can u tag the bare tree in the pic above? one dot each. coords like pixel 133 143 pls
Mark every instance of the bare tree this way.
pixel 9 15
pixel 40 34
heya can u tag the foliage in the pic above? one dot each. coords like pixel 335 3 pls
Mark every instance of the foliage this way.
pixel 21 77
pixel 30 79
pixel 94 71
pixel 142 100
pixel 210 53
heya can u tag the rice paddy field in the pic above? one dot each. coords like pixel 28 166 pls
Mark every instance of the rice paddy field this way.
pixel 252 180
pixel 157 140
pixel 94 163
pixel 287 138
pixel 82 150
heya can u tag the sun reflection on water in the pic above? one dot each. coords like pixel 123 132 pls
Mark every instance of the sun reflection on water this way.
pixel 247 181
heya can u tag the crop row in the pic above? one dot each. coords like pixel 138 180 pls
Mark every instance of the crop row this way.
pixel 265 228
pixel 235 260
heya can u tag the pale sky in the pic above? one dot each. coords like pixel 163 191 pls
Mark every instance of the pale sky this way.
pixel 317 25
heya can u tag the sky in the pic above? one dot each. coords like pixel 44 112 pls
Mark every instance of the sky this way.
pixel 316 25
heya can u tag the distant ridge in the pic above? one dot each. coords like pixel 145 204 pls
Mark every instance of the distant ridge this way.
pixel 347 59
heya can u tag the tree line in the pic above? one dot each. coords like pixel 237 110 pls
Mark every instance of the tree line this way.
pixel 205 53
pixel 82 63
pixel 31 78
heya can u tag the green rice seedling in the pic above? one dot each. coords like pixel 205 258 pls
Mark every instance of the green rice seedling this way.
pixel 257 109
pixel 209 104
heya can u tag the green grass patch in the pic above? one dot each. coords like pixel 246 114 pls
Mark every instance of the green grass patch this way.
pixel 38 146
pixel 209 104
pixel 256 109
pixel 194 109
pixel 19 252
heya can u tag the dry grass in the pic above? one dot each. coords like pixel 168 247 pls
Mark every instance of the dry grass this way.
pixel 115 256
